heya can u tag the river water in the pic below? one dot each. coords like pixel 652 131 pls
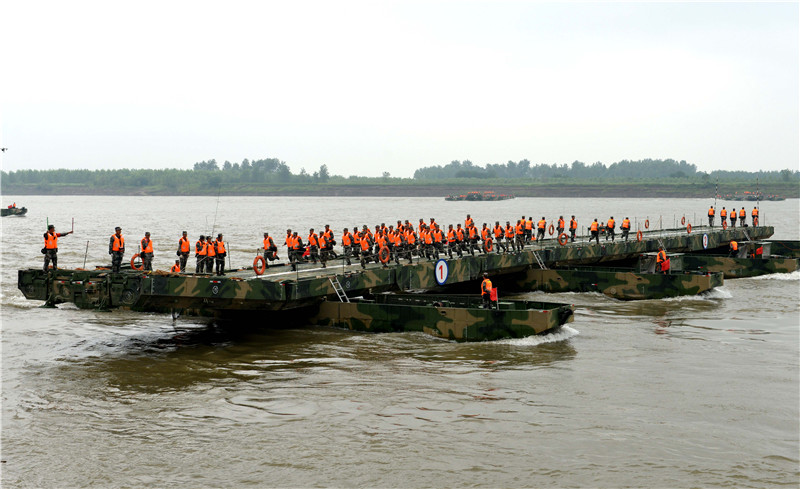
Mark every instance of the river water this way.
pixel 688 392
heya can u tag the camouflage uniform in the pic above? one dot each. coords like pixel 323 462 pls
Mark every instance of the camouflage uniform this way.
pixel 116 256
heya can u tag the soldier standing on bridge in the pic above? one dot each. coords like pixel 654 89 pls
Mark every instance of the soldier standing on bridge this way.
pixel 116 248
pixel 147 252
pixel 540 228
pixel 733 217
pixel 573 228
pixel 183 251
pixel 755 216
pixel 595 230
pixel 50 249
pixel 711 213
pixel 221 253
pixel 200 253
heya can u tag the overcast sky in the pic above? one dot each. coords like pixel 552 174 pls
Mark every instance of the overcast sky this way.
pixel 368 87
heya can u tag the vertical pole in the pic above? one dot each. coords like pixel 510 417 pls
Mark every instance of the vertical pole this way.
pixel 85 254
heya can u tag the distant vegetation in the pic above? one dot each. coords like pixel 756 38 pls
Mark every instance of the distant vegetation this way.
pixel 274 177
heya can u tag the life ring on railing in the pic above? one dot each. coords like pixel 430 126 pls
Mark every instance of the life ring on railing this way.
pixel 724 224
pixel 639 235
pixel 259 269
pixel 551 229
pixel 133 265
pixel 689 228
pixel 683 220
pixel 487 245
pixel 384 254
pixel 647 223
pixel 562 239
pixel 755 221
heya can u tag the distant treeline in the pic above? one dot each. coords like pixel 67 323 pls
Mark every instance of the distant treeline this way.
pixel 641 170
pixel 272 176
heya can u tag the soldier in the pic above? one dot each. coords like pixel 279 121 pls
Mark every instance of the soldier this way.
pixel 296 253
pixel 510 237
pixel 313 245
pixel 50 249
pixel 270 250
pixel 347 245
pixel 330 241
pixel 452 243
pixel 540 228
pixel 200 252
pixel 662 264
pixel 211 253
pixel 595 230
pixel 626 228
pixel 486 291
pixel 528 229
pixel 734 249
pixel 742 216
pixel 498 237
pixel 560 227
pixel 183 251
pixel 519 234
pixel 221 253
pixel 711 213
pixel 116 248
pixel 754 215
pixel 573 228
pixel 147 252
pixel 723 216
pixel 610 228
pixel 176 268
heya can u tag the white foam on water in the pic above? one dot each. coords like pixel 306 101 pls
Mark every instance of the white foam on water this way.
pixel 780 276
pixel 565 333
pixel 715 293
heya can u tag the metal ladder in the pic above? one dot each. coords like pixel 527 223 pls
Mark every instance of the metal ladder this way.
pixel 661 244
pixel 539 260
pixel 746 234
pixel 337 287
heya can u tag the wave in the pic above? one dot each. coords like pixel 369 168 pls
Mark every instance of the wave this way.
pixel 793 276
pixel 565 333
pixel 713 294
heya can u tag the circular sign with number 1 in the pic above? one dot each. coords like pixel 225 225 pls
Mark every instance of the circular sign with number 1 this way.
pixel 441 272
pixel 705 241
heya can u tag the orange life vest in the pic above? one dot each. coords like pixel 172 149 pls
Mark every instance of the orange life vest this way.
pixel 755 212
pixel 626 224
pixel 183 245
pixel 347 239
pixel 573 224
pixel 560 224
pixel 210 248
pixel 221 246
pixel 723 213
pixel 542 224
pixel 268 243
pixel 147 247
pixel 610 223
pixel 451 236
pixel 312 240
pixel 711 211
pixel 528 224
pixel 175 268
pixel 661 256
pixel 119 243
pixel 498 232
pixel 509 232
pixel 486 286
pixel 742 212
pixel 594 226
pixel 200 248
pixel 734 246
pixel 51 241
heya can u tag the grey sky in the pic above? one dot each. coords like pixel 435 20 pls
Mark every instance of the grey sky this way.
pixel 368 87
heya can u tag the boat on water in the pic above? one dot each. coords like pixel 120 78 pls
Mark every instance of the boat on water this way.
pixel 487 195
pixel 447 316
pixel 751 196
pixel 13 211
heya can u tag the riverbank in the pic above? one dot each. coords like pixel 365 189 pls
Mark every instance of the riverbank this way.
pixel 580 190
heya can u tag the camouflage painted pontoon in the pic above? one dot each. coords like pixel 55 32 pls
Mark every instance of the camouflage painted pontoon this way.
pixel 452 317
pixel 642 282
pixel 753 258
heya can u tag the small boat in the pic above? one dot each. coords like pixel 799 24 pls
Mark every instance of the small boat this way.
pixel 448 316
pixel 479 196
pixel 13 211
